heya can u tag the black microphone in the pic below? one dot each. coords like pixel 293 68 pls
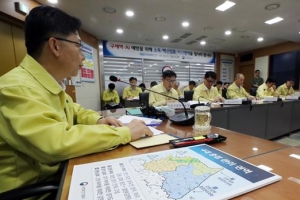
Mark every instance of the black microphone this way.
pixel 185 118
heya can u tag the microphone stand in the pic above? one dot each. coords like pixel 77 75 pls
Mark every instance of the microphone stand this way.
pixel 181 118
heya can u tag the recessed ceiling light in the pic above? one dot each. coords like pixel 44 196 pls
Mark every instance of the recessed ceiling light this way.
pixel 226 5
pixel 165 37
pixel 227 32
pixel 160 19
pixel 260 39
pixel 52 1
pixel 272 6
pixel 274 20
pixel 120 31
pixel 129 13
pixel 185 24
pixel 202 42
pixel 109 10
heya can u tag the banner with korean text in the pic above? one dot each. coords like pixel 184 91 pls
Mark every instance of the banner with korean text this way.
pixel 129 50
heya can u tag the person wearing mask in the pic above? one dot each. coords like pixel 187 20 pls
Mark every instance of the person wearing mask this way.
pixel 286 88
pixel 131 91
pixel 41 126
pixel 266 89
pixel 236 90
pixel 257 80
pixel 110 96
pixel 166 88
pixel 191 86
pixel 205 92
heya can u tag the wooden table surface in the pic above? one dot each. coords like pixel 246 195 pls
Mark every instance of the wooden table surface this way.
pixel 284 165
pixel 237 144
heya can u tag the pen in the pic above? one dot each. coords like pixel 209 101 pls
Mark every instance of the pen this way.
pixel 188 139
pixel 193 142
pixel 152 124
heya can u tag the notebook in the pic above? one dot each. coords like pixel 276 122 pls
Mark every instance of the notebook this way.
pixel 152 141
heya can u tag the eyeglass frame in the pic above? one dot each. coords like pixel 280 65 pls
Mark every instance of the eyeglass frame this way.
pixel 210 81
pixel 170 81
pixel 66 40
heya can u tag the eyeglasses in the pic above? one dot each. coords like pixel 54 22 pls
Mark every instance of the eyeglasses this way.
pixel 79 44
pixel 211 81
pixel 170 81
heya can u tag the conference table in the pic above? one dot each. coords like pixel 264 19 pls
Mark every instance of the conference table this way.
pixel 246 147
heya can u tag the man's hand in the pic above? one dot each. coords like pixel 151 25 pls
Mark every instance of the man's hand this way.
pixel 251 98
pixel 110 121
pixel 138 128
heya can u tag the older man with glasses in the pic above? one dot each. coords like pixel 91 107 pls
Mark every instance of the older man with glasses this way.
pixel 236 90
pixel 205 92
pixel 166 88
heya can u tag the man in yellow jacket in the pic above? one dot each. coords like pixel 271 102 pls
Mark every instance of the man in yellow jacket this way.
pixel 110 96
pixel 40 124
pixel 286 88
pixel 131 91
pixel 266 89
pixel 205 92
pixel 166 88
pixel 236 90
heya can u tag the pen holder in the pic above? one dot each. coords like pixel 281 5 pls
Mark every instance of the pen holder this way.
pixel 202 120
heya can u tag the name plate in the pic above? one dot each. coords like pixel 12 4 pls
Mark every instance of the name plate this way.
pixel 178 105
pixel 233 101
pixel 292 97
pixel 270 99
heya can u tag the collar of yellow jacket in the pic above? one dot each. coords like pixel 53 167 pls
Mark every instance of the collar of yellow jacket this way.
pixel 41 75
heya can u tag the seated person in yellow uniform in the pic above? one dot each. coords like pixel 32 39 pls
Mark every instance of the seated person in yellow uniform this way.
pixel 236 90
pixel 205 92
pixel 168 79
pixel 153 83
pixel 219 87
pixel 176 87
pixel 266 89
pixel 111 97
pixel 131 91
pixel 286 88
pixel 41 126
pixel 191 86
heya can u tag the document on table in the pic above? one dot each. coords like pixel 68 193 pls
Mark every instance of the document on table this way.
pixel 197 172
pixel 149 121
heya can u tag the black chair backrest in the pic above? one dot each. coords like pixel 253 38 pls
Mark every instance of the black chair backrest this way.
pixel 188 95
pixel 253 91
pixel 144 98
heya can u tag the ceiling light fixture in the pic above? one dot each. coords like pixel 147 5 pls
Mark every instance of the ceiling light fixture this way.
pixel 274 20
pixel 272 6
pixel 109 10
pixel 129 13
pixel 260 39
pixel 52 1
pixel 227 32
pixel 185 24
pixel 202 42
pixel 120 31
pixel 160 19
pixel 165 37
pixel 226 5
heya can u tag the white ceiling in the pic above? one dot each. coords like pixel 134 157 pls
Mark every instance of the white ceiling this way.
pixel 247 15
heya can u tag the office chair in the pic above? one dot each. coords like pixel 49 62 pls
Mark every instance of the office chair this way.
pixel 253 91
pixel 144 98
pixel 34 190
pixel 188 95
